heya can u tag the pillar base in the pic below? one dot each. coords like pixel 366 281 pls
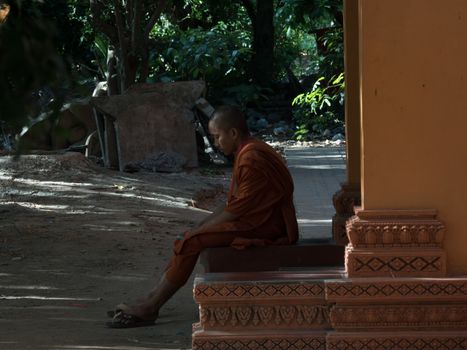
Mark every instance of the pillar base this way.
pixel 395 243
pixel 395 262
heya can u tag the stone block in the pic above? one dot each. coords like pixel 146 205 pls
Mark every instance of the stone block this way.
pixel 267 300
pixel 261 340
pixel 396 290
pixel 154 118
pixel 400 316
pixel 432 340
pixel 264 286
pixel 386 262
pixel 267 315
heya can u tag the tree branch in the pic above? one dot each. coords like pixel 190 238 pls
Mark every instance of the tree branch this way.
pixel 122 43
pixel 136 25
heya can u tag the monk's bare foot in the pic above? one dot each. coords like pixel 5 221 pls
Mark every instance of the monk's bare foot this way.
pixel 143 310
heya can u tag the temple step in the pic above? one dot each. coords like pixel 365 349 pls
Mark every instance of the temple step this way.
pixel 259 340
pixel 323 309
pixel 273 258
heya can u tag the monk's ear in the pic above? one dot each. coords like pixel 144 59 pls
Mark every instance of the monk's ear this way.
pixel 234 133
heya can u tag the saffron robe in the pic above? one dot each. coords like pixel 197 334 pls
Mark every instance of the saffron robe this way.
pixel 260 195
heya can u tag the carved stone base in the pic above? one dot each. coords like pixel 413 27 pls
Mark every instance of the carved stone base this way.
pixel 401 316
pixel 286 340
pixel 397 340
pixel 344 202
pixel 381 262
pixel 322 309
pixel 395 243
pixel 267 316
pixel 396 290
pixel 293 303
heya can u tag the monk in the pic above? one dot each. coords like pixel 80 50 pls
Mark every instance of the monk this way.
pixel 259 211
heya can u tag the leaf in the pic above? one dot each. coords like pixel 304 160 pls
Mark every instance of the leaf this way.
pixel 339 78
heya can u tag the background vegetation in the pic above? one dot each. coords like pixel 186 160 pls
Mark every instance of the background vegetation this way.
pixel 245 50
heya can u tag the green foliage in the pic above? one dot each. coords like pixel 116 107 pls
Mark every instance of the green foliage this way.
pixel 212 55
pixel 219 55
pixel 320 108
pixel 299 26
pixel 331 59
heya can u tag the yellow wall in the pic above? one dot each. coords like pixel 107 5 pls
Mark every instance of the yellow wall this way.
pixel 413 66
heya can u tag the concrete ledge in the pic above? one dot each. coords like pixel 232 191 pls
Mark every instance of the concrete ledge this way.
pixel 272 258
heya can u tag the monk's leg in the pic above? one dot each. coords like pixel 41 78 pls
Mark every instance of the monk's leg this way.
pixel 179 269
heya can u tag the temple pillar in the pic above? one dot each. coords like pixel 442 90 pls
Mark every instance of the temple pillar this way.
pixel 405 262
pixel 348 195
pixel 413 77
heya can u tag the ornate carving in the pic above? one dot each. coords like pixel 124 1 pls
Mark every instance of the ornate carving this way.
pixel 394 262
pixel 344 202
pixel 398 316
pixel 395 243
pixel 406 230
pixel 394 234
pixel 308 343
pixel 265 316
pixel 435 289
pixel 399 342
pixel 346 199
pixel 245 290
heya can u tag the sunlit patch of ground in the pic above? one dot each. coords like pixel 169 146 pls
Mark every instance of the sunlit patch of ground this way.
pixel 77 239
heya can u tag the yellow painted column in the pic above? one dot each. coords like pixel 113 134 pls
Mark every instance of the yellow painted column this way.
pixel 413 66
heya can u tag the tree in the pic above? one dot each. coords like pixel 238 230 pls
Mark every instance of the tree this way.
pixel 261 16
pixel 127 25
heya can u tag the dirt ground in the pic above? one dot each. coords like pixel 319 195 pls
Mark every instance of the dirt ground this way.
pixel 77 239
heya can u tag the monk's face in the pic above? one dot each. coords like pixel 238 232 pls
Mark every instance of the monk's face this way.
pixel 224 138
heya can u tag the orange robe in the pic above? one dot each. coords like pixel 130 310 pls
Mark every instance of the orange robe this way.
pixel 260 195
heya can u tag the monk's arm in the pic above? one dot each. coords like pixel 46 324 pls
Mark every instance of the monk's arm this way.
pixel 220 218
pixel 211 216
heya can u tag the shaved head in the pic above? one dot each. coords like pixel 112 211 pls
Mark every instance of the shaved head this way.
pixel 230 117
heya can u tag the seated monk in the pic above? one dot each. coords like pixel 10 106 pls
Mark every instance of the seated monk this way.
pixel 259 211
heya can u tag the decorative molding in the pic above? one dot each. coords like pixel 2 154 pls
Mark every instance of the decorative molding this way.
pixel 264 316
pixel 252 290
pixel 400 289
pixel 395 243
pixel 395 262
pixel 263 343
pixel 403 231
pixel 398 316
pixel 411 341
pixel 344 202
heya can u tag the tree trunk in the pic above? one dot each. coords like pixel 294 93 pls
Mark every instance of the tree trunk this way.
pixel 263 43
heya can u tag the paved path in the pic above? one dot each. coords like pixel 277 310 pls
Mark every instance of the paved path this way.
pixel 317 174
